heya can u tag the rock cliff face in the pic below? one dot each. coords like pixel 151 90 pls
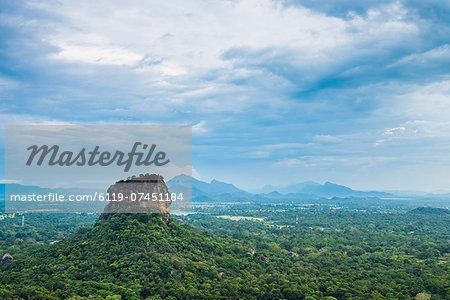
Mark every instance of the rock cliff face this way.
pixel 141 194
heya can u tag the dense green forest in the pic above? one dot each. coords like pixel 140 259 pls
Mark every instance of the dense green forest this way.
pixel 239 251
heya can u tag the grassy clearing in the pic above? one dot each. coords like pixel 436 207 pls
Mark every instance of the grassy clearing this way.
pixel 237 218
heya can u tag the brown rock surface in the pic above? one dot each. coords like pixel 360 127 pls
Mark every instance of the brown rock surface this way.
pixel 139 194
pixel 292 254
pixel 6 257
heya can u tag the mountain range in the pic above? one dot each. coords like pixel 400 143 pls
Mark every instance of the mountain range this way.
pixel 327 189
pixel 217 190
pixel 215 187
pixel 309 188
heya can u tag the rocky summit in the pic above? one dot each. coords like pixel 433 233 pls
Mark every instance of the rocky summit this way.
pixel 138 194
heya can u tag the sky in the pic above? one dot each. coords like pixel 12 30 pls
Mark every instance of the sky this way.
pixel 278 92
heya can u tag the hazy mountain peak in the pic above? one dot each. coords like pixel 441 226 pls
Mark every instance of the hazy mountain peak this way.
pixel 182 177
pixel 215 187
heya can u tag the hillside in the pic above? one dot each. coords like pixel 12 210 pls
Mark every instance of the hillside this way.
pixel 330 253
pixel 137 256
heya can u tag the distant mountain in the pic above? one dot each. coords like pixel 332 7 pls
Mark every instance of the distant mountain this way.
pixel 328 189
pixel 275 194
pixel 221 191
pixel 204 191
pixel 292 188
pixel 405 193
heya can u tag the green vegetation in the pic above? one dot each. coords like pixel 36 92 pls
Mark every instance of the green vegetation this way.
pixel 430 211
pixel 38 229
pixel 301 252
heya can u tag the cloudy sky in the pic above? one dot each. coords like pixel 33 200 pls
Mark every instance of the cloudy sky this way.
pixel 353 92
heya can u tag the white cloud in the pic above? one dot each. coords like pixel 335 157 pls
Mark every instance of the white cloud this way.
pixel 325 138
pixel 427 102
pixel 289 162
pixel 196 174
pixel 333 161
pixel 199 128
pixel 148 58
pixel 244 64
pixel 285 146
pixel 394 130
pixel 23 119
pixel 436 54
pixel 184 39
pixel 96 54
pixel 7 181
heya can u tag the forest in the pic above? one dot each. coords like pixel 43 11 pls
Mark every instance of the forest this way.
pixel 240 251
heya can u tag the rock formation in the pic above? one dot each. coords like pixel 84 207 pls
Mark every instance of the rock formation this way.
pixel 292 254
pixel 138 194
pixel 6 257
pixel 263 258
